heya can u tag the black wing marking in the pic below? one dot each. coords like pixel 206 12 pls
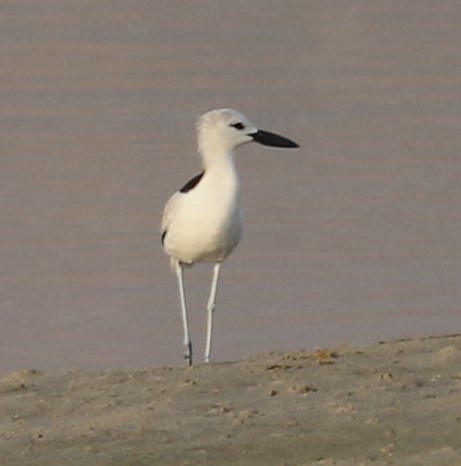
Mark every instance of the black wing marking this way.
pixel 191 184
pixel 163 236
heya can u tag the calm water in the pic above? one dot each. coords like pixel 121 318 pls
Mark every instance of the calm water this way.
pixel 354 238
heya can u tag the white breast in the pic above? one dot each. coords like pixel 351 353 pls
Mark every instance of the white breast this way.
pixel 205 223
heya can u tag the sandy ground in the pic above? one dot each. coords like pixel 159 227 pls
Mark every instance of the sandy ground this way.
pixel 393 403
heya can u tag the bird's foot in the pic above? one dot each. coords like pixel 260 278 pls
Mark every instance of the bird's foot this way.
pixel 188 354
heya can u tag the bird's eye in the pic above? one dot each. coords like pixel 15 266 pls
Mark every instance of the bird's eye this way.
pixel 239 126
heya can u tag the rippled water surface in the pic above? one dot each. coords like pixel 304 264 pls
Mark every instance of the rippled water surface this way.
pixel 353 238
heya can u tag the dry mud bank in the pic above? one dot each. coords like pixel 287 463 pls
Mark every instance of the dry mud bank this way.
pixel 393 403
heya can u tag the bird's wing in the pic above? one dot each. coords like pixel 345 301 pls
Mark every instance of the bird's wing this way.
pixel 172 204
pixel 169 212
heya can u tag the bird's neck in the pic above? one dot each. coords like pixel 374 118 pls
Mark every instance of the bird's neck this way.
pixel 219 161
pixel 221 176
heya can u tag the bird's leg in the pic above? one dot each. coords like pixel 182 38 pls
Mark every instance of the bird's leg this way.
pixel 210 308
pixel 187 342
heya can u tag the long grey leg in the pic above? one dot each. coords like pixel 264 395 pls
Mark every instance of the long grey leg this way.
pixel 187 342
pixel 210 308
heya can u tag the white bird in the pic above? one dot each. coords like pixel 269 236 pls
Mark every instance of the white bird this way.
pixel 202 222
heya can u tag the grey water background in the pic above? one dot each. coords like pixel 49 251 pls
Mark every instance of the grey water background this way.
pixel 354 238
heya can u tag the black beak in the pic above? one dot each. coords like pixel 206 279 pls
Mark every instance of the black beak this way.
pixel 273 140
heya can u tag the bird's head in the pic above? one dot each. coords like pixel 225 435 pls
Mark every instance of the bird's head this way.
pixel 225 129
